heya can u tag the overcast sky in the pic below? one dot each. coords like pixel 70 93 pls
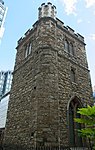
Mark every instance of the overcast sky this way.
pixel 21 15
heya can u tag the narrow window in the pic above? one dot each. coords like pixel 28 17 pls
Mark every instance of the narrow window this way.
pixel 28 49
pixel 71 49
pixel 66 46
pixel 72 75
pixel 71 126
pixel 74 138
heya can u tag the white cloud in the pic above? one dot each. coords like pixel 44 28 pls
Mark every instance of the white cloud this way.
pixel 92 36
pixel 88 21
pixel 89 3
pixel 70 6
pixel 79 21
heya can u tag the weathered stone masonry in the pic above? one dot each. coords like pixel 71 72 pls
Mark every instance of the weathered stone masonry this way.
pixel 42 88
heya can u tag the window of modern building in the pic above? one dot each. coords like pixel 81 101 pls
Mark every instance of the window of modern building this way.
pixel 3 110
pixel 5 82
pixel 72 75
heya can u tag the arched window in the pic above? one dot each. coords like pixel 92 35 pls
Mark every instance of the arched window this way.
pixel 71 49
pixel 66 46
pixel 74 138
pixel 72 75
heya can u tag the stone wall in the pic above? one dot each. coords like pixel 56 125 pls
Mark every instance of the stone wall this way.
pixel 42 87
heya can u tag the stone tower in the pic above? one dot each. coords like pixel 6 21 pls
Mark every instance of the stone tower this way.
pixel 50 81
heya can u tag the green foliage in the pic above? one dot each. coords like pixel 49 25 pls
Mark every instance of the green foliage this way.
pixel 87 132
pixel 88 120
pixel 89 111
pixel 85 121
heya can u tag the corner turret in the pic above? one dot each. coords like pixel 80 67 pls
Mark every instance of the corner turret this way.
pixel 47 10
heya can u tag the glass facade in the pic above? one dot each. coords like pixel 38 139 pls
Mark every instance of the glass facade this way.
pixel 5 82
pixel 3 110
pixel 2 12
pixel 5 86
pixel 1 82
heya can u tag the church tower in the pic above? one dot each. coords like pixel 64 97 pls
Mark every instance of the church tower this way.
pixel 50 81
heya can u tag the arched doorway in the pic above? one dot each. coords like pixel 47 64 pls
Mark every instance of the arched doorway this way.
pixel 74 138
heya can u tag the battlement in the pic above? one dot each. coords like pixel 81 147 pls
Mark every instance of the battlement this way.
pixel 49 11
pixel 69 30
pixel 60 24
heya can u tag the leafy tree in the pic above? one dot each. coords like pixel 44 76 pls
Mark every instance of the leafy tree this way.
pixel 88 119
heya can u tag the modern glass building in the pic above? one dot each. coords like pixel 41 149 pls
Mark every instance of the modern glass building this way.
pixel 3 109
pixel 5 86
pixel 3 12
pixel 5 82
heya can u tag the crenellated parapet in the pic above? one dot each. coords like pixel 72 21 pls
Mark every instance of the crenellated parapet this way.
pixel 58 23
pixel 69 30
pixel 47 10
